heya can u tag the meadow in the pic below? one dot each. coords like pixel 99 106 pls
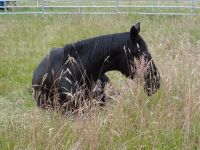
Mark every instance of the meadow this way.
pixel 130 120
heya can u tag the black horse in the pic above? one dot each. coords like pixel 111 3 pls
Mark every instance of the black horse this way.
pixel 78 66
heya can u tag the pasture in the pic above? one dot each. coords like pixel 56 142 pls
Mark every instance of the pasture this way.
pixel 130 120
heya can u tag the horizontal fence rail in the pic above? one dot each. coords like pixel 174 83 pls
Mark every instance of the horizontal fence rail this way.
pixel 163 7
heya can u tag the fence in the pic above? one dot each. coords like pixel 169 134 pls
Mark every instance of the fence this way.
pixel 164 7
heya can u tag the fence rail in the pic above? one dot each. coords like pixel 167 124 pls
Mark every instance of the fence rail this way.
pixel 163 7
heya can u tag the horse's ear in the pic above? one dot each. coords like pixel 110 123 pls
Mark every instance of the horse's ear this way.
pixel 135 31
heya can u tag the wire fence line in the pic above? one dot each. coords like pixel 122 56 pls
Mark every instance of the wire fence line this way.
pixel 163 7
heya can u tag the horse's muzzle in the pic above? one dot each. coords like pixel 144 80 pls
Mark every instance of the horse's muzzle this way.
pixel 152 85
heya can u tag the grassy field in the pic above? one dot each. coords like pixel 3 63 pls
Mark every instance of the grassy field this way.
pixel 131 120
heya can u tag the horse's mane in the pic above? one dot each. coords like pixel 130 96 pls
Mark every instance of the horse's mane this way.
pixel 100 46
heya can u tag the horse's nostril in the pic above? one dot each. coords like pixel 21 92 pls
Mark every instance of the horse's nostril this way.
pixel 149 94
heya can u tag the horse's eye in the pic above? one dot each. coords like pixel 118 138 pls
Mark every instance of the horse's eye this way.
pixel 138 47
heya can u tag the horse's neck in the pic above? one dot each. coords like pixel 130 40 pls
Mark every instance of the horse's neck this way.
pixel 104 53
pixel 113 46
pixel 111 59
pixel 116 53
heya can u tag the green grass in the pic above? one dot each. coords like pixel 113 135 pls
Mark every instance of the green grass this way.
pixel 167 120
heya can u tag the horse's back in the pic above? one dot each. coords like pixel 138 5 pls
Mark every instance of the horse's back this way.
pixel 56 60
pixel 40 71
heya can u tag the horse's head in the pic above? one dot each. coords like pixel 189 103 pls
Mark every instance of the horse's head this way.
pixel 140 61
